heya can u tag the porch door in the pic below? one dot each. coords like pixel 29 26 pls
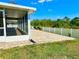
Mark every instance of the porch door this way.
pixel 2 38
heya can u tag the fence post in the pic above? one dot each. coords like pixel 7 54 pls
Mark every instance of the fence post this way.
pixel 54 30
pixel 43 28
pixel 49 29
pixel 71 32
pixel 61 31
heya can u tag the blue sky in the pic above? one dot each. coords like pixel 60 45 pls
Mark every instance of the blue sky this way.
pixel 51 9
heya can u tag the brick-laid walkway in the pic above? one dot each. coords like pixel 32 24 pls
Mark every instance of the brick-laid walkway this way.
pixel 38 37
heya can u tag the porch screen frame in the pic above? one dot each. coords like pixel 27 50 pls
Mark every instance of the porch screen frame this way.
pixel 4 22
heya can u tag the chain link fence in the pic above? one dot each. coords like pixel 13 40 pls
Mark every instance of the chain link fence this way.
pixel 63 31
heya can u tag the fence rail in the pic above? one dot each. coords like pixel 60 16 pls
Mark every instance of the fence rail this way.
pixel 1 27
pixel 63 31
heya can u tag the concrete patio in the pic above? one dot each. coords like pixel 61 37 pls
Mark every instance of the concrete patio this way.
pixel 44 37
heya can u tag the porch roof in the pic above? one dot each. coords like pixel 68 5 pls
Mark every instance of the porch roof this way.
pixel 17 7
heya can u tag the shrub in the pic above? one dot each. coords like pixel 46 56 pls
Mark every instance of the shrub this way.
pixel 39 28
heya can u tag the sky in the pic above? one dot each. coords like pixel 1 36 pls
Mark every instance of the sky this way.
pixel 51 9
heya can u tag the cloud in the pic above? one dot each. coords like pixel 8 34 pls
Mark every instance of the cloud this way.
pixel 42 1
pixel 49 0
pixel 34 3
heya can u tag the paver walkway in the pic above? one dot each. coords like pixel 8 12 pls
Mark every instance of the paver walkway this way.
pixel 38 37
pixel 44 37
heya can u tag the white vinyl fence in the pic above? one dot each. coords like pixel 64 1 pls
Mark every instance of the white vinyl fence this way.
pixel 63 31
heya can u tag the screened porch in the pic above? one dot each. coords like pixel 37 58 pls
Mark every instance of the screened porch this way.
pixel 13 22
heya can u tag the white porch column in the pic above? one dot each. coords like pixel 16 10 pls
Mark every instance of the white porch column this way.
pixel 29 27
pixel 4 22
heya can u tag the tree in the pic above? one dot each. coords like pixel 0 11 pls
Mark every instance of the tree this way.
pixel 75 22
pixel 59 23
pixel 66 22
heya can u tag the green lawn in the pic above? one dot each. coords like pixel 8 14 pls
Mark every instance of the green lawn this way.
pixel 60 50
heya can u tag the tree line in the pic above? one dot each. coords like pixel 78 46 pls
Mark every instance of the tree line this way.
pixel 58 23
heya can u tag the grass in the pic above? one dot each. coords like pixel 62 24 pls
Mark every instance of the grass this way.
pixel 59 50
